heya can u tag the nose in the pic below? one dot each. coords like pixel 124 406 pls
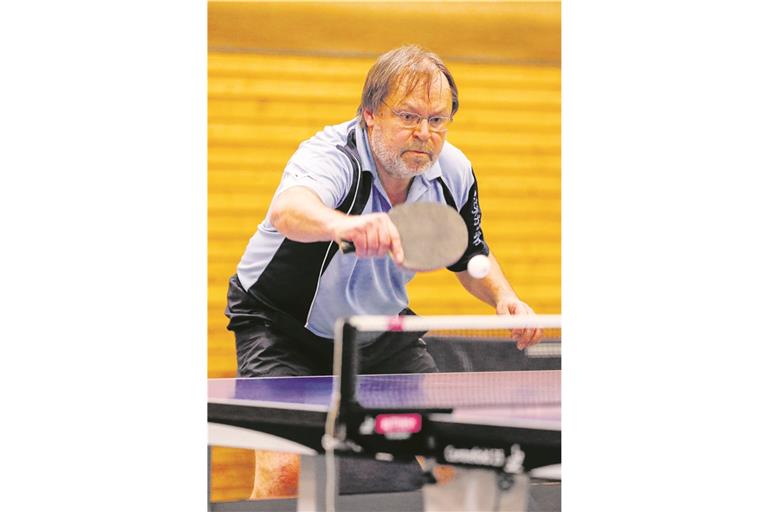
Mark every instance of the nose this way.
pixel 421 131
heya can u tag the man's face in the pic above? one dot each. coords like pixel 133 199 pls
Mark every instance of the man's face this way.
pixel 406 152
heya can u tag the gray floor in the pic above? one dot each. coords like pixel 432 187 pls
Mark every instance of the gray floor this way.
pixel 398 501
pixel 542 497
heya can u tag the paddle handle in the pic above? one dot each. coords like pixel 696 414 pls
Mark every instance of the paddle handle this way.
pixel 347 247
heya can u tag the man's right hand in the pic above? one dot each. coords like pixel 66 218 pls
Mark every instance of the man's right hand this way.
pixel 374 235
pixel 300 215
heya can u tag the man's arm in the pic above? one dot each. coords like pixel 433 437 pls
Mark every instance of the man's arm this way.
pixel 300 215
pixel 495 290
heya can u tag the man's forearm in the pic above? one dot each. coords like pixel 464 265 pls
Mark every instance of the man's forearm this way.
pixel 300 215
pixel 494 289
pixel 491 288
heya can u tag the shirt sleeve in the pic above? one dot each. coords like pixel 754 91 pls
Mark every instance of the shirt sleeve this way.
pixel 328 174
pixel 472 215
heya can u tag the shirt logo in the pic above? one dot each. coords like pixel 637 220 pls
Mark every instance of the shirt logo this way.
pixel 476 240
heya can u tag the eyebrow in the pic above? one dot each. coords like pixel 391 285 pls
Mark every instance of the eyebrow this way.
pixel 411 108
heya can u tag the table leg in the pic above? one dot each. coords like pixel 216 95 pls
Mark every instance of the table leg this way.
pixel 476 489
pixel 209 478
pixel 312 482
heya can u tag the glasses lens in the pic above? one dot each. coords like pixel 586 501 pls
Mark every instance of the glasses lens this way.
pixel 438 123
pixel 408 119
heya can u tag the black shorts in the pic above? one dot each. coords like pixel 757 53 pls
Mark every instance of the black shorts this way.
pixel 266 350
pixel 269 344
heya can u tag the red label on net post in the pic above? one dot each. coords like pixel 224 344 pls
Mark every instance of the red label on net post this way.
pixel 395 323
pixel 398 423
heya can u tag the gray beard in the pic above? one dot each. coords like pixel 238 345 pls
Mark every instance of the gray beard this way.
pixel 393 164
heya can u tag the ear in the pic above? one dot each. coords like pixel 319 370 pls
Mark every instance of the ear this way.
pixel 368 117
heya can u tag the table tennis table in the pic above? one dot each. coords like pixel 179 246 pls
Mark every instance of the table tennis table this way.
pixel 463 419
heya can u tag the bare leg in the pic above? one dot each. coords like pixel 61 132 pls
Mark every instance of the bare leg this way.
pixel 275 475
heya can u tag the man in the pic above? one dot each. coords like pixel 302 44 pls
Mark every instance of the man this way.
pixel 292 283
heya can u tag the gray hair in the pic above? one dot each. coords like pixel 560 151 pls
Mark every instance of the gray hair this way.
pixel 409 65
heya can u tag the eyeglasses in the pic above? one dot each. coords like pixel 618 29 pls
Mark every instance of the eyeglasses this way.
pixel 409 120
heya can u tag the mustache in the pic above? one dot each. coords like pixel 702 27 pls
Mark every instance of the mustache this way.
pixel 420 149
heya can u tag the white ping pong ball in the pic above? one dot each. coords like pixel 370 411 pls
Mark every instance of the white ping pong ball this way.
pixel 479 266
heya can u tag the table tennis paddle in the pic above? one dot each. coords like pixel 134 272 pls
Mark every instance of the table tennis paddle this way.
pixel 433 235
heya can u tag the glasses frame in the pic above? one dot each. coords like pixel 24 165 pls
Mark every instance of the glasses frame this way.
pixel 419 118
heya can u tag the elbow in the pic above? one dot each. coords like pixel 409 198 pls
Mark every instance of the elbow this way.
pixel 278 217
pixel 278 213
pixel 275 216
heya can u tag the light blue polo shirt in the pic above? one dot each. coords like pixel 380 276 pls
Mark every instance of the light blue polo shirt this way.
pixel 346 285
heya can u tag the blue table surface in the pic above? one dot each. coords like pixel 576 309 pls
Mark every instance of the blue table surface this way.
pixel 434 390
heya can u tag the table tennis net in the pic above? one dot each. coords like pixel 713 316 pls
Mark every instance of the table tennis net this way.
pixel 479 365
pixel 534 388
pixel 474 350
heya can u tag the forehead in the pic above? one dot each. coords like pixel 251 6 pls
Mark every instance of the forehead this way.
pixel 426 91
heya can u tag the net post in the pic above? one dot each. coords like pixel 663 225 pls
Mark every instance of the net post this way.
pixel 349 365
